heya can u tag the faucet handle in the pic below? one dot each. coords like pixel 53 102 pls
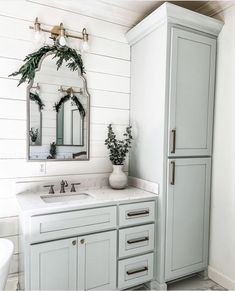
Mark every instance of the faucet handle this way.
pixel 73 187
pixel 51 190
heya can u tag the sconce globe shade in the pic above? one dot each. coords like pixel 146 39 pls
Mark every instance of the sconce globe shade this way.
pixel 37 91
pixel 62 41
pixel 61 94
pixel 39 37
pixel 85 46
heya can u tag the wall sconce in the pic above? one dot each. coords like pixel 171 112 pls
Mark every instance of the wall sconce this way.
pixel 58 33
pixel 69 91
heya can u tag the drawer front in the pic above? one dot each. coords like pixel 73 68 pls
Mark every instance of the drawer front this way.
pixel 136 240
pixel 52 226
pixel 135 271
pixel 136 213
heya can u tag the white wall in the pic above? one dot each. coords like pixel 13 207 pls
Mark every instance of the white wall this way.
pixel 108 76
pixel 222 240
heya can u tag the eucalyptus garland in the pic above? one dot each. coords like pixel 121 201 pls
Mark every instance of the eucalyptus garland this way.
pixel 81 109
pixel 35 97
pixel 63 53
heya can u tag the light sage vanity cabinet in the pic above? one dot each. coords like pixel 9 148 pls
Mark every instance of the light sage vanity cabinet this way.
pixel 80 263
pixel 110 247
pixel 173 58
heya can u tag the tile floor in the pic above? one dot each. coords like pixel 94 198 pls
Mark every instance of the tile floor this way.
pixel 195 283
pixel 191 283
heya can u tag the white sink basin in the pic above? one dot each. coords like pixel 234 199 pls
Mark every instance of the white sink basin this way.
pixel 69 198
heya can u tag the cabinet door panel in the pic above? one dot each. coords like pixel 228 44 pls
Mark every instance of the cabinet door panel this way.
pixel 97 261
pixel 191 93
pixel 54 265
pixel 187 216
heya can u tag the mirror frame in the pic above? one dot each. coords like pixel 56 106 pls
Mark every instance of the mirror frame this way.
pixel 85 92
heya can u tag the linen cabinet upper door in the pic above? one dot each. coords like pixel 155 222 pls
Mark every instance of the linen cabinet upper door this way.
pixel 192 77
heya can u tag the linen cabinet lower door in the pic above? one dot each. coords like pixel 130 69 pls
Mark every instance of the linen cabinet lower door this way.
pixel 97 254
pixel 54 265
pixel 187 225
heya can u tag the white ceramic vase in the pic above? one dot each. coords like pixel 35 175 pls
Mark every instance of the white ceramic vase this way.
pixel 118 179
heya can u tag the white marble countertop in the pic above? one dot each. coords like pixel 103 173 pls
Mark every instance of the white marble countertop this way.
pixel 32 204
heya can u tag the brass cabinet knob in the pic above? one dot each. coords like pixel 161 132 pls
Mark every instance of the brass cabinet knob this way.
pixel 82 241
pixel 74 242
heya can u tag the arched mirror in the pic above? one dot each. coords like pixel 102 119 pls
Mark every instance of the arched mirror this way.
pixel 58 113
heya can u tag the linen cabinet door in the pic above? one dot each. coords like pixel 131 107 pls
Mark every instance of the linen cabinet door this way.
pixel 187 220
pixel 97 254
pixel 54 265
pixel 191 102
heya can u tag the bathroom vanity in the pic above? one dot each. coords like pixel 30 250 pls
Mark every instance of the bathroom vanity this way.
pixel 103 239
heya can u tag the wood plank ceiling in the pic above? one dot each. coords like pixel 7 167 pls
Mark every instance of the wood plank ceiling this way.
pixel 130 12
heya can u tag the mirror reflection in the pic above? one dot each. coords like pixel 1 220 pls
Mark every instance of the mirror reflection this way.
pixel 35 120
pixel 70 119
pixel 58 114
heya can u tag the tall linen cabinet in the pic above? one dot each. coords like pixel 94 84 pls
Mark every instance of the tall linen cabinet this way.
pixel 173 57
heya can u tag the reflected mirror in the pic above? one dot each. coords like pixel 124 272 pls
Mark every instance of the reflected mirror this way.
pixel 58 105
pixel 35 126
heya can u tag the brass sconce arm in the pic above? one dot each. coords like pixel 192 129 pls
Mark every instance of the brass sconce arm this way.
pixel 58 31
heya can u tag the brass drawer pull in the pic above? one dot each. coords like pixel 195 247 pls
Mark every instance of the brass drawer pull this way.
pixel 173 173
pixel 137 213
pixel 173 132
pixel 137 240
pixel 137 271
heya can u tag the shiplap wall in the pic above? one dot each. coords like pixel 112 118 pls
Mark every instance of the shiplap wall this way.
pixel 108 76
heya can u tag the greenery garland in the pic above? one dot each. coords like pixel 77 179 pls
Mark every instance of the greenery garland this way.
pixel 81 109
pixel 35 97
pixel 63 53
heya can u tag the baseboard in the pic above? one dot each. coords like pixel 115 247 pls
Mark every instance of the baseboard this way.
pixel 221 279
pixel 12 283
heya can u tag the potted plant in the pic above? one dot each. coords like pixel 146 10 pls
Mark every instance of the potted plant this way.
pixel 118 150
pixel 34 135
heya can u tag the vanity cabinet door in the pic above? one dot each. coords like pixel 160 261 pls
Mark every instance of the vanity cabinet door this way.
pixel 187 219
pixel 97 261
pixel 191 92
pixel 54 265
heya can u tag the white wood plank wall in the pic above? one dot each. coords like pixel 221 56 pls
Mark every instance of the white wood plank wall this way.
pixel 108 75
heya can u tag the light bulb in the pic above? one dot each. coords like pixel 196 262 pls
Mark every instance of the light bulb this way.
pixel 61 94
pixel 38 37
pixel 37 91
pixel 84 46
pixel 62 41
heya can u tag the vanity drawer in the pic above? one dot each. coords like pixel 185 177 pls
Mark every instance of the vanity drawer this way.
pixel 135 271
pixel 136 240
pixel 136 213
pixel 59 225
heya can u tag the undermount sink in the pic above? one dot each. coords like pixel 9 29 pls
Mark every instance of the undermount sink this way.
pixel 65 197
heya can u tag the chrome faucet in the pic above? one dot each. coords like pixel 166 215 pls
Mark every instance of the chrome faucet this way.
pixel 63 184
